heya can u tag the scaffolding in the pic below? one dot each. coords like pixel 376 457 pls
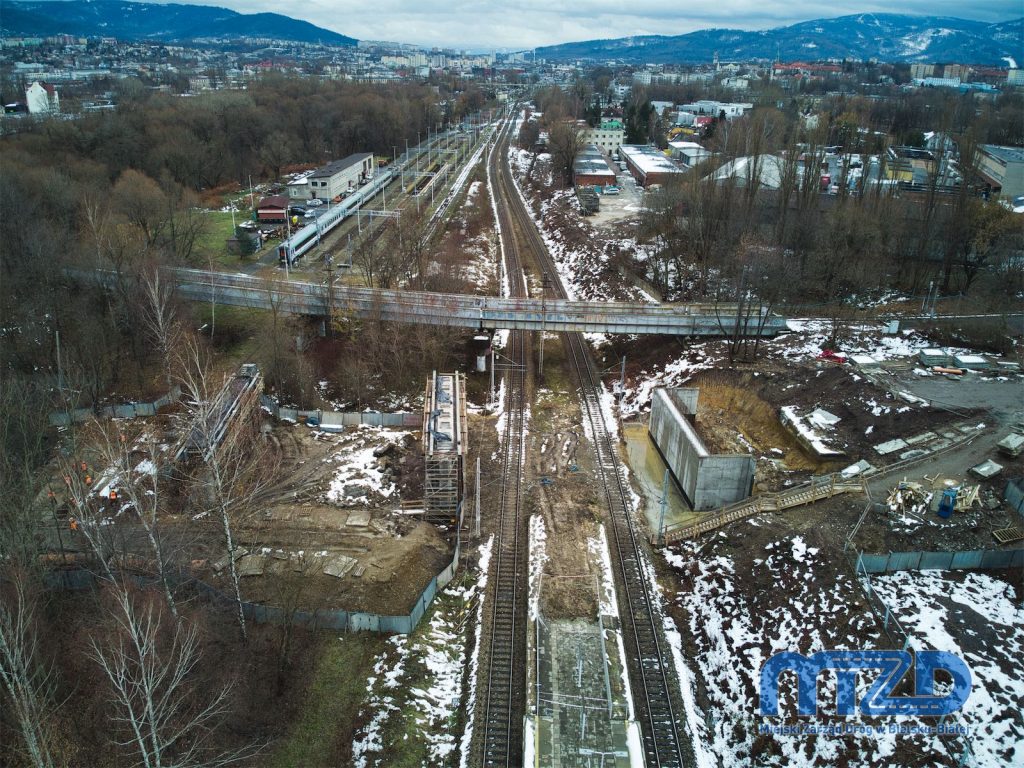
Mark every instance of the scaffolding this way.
pixel 444 446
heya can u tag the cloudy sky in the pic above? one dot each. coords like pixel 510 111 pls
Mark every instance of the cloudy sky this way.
pixel 497 24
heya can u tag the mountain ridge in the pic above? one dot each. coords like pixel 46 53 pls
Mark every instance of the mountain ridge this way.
pixel 172 22
pixel 886 37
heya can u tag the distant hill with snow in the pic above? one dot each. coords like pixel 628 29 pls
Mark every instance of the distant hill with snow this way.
pixel 882 36
pixel 156 22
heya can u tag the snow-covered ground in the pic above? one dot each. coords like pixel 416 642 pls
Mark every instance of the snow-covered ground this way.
pixel 735 624
pixel 358 476
pixel 578 259
pixel 809 338
pixel 974 616
pixel 414 695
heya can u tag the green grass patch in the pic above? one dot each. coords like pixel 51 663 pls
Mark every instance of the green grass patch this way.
pixel 322 733
pixel 211 245
pixel 236 330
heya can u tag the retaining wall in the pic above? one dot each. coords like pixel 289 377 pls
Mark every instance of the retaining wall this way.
pixel 708 481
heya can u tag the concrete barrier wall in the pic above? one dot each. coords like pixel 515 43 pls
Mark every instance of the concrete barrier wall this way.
pixel 708 481
pixel 335 421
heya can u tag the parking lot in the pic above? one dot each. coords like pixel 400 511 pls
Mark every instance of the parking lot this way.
pixel 627 203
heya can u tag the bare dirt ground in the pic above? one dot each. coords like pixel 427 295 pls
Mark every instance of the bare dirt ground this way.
pixel 338 501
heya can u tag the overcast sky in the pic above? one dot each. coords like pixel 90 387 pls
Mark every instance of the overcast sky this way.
pixel 497 24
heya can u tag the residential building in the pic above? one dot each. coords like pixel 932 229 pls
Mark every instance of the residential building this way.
pixel 608 136
pixel 1015 77
pixel 648 164
pixel 1003 169
pixel 941 82
pixel 959 71
pixel 921 71
pixel 42 98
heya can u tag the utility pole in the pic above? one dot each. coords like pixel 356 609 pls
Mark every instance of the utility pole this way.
pixel 287 244
pixel 664 507
pixel 492 375
pixel 329 330
pixel 478 497
pixel 544 281
pixel 60 370
pixel 622 378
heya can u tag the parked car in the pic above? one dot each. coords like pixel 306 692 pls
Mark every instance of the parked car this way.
pixel 316 201
pixel 297 210
pixel 611 190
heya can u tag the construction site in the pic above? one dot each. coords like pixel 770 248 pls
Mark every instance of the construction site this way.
pixel 576 542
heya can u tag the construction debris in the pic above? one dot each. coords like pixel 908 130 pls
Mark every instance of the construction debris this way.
pixel 909 498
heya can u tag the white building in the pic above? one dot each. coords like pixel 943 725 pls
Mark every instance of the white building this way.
pixel 767 170
pixel 648 165
pixel 715 108
pixel 42 98
pixel 334 179
pixel 608 136
pixel 689 153
pixel 1015 77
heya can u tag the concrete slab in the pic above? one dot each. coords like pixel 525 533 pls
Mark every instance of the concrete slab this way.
pixel 924 437
pixel 252 565
pixel 884 449
pixel 972 362
pixel 861 469
pixel 358 519
pixel 913 453
pixel 339 565
pixel 986 469
pixel 864 361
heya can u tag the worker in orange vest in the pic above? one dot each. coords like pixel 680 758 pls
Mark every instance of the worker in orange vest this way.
pixel 72 524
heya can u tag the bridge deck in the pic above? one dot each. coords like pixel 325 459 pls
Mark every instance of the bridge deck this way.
pixel 467 311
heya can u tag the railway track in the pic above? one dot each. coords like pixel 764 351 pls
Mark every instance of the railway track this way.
pixel 501 699
pixel 651 672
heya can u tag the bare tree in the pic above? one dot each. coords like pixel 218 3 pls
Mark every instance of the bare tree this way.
pixel 565 142
pixel 138 485
pixel 151 675
pixel 29 684
pixel 161 318
pixel 232 473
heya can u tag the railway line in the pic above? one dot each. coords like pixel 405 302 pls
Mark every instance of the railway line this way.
pixel 651 672
pixel 501 698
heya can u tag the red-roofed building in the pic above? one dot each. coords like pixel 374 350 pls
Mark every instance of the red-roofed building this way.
pixel 273 208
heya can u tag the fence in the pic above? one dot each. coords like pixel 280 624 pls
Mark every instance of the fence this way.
pixel 1014 494
pixel 81 577
pixel 125 411
pixel 334 421
pixel 980 559
pixel 897 635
